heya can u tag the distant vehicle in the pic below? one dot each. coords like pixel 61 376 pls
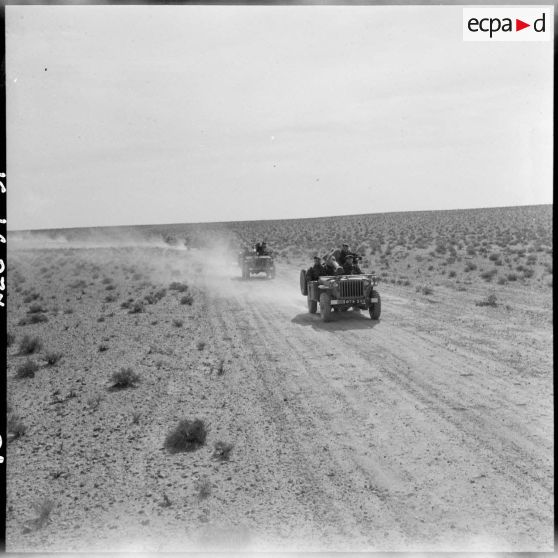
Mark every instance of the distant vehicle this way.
pixel 341 292
pixel 252 264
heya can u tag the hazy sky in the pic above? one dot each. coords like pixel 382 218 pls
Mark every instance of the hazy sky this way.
pixel 162 114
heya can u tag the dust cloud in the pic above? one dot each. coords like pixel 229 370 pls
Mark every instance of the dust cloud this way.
pixel 211 264
pixel 88 239
pixel 219 273
pixel 159 260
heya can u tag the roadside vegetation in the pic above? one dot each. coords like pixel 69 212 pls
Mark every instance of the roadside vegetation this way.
pixel 486 245
pixel 124 378
pixel 188 435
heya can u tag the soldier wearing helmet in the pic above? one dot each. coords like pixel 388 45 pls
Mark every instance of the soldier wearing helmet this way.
pixel 341 253
pixel 316 271
pixel 261 248
pixel 350 267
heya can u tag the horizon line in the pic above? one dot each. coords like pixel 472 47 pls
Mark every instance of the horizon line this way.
pixel 275 219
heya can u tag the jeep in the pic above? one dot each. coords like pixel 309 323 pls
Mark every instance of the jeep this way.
pixel 341 292
pixel 252 264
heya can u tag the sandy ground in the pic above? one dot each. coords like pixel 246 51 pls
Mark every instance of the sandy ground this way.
pixel 429 430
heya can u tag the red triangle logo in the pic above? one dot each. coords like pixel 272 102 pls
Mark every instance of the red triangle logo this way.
pixel 519 25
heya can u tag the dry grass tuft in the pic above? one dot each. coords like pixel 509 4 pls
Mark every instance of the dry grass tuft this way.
pixel 488 275
pixel 127 303
pixel 187 436
pixel 137 307
pixel 490 300
pixel 204 488
pixel 221 368
pixel 33 319
pixel 94 401
pixel 36 308
pixel 15 425
pixel 469 266
pixel 187 299
pixel 180 287
pixel 154 297
pixel 31 297
pixel 27 369
pixel 43 509
pixel 29 345
pixel 53 357
pixel 124 378
pixel 222 451
pixel 425 290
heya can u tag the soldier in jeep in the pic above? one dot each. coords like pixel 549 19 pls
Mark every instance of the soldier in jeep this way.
pixel 316 271
pixel 261 249
pixel 331 265
pixel 341 253
pixel 350 267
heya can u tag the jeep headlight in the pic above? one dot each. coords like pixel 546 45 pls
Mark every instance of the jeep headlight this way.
pixel 334 283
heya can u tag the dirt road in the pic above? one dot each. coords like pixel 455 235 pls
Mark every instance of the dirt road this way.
pixel 431 429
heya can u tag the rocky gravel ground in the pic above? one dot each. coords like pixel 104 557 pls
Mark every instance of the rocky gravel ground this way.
pixel 430 430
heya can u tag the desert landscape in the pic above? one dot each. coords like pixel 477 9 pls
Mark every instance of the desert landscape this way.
pixel 157 402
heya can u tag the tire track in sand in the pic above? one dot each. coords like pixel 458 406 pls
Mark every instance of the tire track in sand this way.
pixel 344 403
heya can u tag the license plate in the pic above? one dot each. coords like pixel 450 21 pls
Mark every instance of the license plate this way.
pixel 345 301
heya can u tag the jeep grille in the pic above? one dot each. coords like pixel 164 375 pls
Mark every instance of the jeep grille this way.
pixel 351 288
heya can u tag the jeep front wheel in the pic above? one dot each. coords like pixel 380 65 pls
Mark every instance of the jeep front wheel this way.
pixel 376 307
pixel 325 307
